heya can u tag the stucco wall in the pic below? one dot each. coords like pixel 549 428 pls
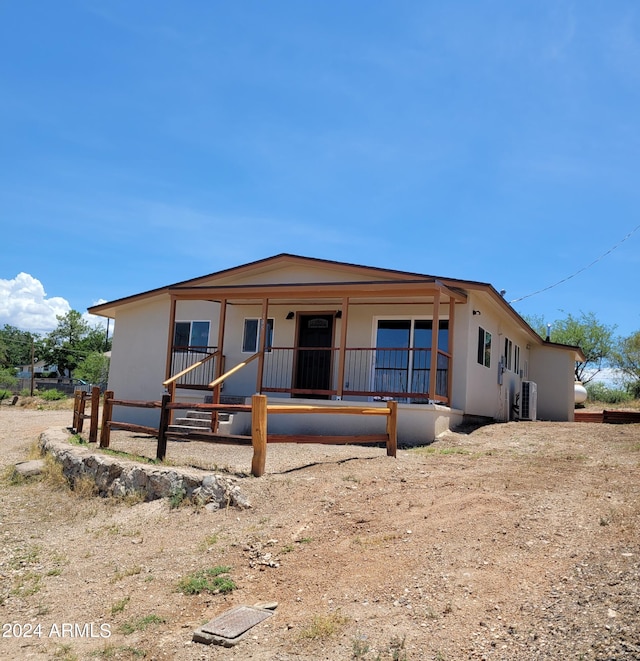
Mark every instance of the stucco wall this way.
pixel 138 358
pixel 491 391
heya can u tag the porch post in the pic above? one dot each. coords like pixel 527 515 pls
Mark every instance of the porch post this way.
pixel 342 352
pixel 434 345
pixel 215 395
pixel 263 342
pixel 220 362
pixel 172 330
pixel 452 317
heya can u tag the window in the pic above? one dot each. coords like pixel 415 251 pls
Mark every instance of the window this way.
pixel 508 353
pixel 403 355
pixel 516 358
pixel 191 334
pixel 484 347
pixel 251 336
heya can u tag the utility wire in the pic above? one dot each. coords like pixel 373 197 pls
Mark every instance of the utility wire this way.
pixel 584 268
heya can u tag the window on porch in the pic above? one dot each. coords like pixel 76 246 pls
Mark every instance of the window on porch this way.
pixel 191 344
pixel 191 334
pixel 403 357
pixel 251 335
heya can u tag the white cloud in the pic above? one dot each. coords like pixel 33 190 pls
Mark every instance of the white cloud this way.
pixel 24 304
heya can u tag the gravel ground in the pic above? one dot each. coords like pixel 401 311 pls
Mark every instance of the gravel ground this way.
pixel 513 542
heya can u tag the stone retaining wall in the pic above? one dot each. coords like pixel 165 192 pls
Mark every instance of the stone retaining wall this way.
pixel 119 477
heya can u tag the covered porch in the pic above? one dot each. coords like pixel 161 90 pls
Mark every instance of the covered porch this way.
pixel 332 353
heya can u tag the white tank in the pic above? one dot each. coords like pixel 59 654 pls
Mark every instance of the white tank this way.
pixel 580 393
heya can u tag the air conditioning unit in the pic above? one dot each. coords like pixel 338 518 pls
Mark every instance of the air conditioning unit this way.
pixel 528 400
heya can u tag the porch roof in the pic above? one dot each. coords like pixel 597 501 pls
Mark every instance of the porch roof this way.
pixel 358 292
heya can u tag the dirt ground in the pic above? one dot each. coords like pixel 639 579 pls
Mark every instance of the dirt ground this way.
pixel 513 541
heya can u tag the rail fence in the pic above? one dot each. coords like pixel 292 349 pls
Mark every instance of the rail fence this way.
pixel 259 410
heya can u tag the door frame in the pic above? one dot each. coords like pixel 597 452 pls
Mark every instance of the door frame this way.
pixel 300 316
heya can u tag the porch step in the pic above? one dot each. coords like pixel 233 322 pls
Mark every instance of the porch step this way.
pixel 198 421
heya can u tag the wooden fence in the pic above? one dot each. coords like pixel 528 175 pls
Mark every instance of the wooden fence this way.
pixel 259 410
pixel 80 398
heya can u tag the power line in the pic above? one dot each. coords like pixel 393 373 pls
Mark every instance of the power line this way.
pixel 584 268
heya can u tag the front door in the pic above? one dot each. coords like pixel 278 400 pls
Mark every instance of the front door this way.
pixel 314 356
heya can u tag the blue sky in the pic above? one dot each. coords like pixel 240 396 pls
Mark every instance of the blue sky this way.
pixel 148 142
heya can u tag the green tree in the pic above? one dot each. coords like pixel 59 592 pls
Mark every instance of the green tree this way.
pixel 8 379
pixel 94 368
pixel 71 342
pixel 15 346
pixel 585 331
pixel 626 356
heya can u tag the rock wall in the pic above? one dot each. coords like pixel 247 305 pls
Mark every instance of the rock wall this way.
pixel 118 477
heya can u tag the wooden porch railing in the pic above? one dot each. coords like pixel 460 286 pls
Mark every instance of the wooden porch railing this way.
pixel 260 437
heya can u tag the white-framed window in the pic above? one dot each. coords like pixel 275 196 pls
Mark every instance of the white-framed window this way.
pixel 484 347
pixel 403 355
pixel 516 358
pixel 251 335
pixel 191 334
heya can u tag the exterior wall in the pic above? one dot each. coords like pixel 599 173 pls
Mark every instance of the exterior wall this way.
pixel 491 391
pixel 243 383
pixel 553 372
pixel 483 394
pixel 361 333
pixel 138 358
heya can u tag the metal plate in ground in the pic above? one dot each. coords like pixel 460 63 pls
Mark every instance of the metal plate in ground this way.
pixel 229 628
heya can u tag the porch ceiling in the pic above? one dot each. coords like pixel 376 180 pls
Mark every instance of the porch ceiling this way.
pixel 325 293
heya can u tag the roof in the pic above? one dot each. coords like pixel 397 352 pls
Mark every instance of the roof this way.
pixel 271 262
pixel 393 279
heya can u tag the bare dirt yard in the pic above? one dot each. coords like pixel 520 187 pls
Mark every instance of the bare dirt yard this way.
pixel 513 541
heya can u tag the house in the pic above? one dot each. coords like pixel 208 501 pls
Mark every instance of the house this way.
pixel 312 329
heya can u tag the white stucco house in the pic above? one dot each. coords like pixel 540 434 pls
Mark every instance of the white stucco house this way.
pixel 312 329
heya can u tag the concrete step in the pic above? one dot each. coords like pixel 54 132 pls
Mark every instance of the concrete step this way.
pixel 198 415
pixel 202 418
pixel 200 421
pixel 188 428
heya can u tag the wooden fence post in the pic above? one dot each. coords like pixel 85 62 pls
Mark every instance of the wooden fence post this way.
pixel 95 405
pixel 392 429
pixel 171 390
pixel 107 409
pixel 165 418
pixel 258 434
pixel 76 410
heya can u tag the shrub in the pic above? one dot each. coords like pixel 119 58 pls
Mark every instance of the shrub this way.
pixel 634 389
pixel 52 395
pixel 207 580
pixel 140 624
pixel 5 394
pixel 599 392
pixel 7 378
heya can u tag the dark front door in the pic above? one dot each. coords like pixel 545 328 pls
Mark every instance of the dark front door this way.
pixel 314 355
